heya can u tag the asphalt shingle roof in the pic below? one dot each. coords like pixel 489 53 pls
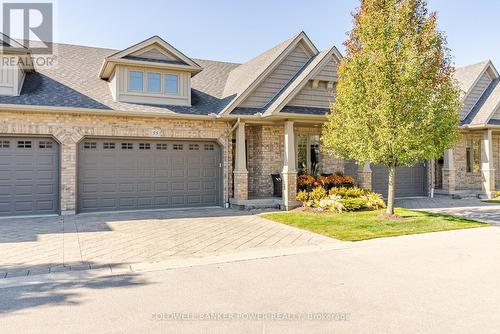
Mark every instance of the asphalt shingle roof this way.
pixel 74 82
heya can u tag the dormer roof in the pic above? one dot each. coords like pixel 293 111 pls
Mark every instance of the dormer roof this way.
pixel 153 52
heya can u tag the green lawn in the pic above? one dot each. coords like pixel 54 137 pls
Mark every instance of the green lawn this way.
pixel 497 201
pixel 363 225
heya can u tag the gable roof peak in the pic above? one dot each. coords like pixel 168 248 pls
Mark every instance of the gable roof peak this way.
pixel 178 60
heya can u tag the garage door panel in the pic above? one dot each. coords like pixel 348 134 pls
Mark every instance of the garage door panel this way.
pixel 29 176
pixel 409 181
pixel 148 174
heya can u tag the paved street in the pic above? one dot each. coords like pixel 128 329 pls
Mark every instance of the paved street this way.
pixel 127 240
pixel 444 282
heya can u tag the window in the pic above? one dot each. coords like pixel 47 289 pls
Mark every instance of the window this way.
pixel 90 145
pixel 45 144
pixel 127 146
pixel 171 84
pixel 154 82
pixel 135 81
pixel 24 144
pixel 4 144
pixel 194 147
pixel 108 146
pixel 209 147
pixel 161 146
pixel 308 154
pixel 473 156
pixel 144 146
pixel 178 147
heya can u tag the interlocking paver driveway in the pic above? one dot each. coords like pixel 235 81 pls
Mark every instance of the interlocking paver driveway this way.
pixel 467 208
pixel 39 245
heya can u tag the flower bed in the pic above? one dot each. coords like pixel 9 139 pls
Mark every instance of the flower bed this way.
pixel 308 182
pixel 340 199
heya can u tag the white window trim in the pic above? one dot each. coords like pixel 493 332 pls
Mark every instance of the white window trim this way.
pixel 145 89
pixel 308 152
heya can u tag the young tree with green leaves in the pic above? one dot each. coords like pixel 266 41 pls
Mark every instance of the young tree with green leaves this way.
pixel 397 102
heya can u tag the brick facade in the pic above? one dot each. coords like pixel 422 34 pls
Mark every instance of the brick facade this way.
pixel 70 129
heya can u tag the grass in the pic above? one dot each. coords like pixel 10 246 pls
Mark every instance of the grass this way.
pixel 363 225
pixel 497 201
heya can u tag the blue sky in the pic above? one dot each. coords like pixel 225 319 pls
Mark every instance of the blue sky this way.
pixel 236 30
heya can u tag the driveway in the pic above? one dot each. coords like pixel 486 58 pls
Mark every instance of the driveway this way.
pixel 467 208
pixel 137 240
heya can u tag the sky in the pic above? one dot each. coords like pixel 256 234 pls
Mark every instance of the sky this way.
pixel 237 30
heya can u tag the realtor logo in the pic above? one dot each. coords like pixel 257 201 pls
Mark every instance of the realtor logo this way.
pixel 30 22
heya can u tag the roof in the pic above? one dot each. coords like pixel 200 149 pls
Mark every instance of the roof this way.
pixel 468 75
pixel 74 82
pixel 249 74
pixel 299 81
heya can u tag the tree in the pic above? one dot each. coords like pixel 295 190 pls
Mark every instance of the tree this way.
pixel 397 103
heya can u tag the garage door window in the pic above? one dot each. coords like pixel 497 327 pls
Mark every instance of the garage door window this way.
pixel 161 146
pixel 45 144
pixel 4 144
pixel 144 146
pixel 90 145
pixel 127 146
pixel 24 144
pixel 178 147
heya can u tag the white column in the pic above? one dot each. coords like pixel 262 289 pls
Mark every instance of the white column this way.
pixel 487 167
pixel 289 164
pixel 289 173
pixel 240 172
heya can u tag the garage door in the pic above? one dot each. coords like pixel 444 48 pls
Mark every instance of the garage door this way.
pixel 409 181
pixel 116 174
pixel 29 179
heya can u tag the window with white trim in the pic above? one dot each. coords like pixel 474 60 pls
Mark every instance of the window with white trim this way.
pixel 154 82
pixel 136 81
pixel 171 84
pixel 308 156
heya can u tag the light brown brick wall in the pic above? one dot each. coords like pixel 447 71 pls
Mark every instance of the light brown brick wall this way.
pixel 70 129
pixel 464 180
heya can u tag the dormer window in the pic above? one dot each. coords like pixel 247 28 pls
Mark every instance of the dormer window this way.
pixel 150 72
pixel 171 84
pixel 135 81
pixel 154 82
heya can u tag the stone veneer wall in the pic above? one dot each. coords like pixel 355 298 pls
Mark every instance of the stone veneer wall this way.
pixel 464 180
pixel 265 157
pixel 69 129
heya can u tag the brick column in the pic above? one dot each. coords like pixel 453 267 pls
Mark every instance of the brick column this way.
pixel 240 167
pixel 289 173
pixel 68 144
pixel 487 167
pixel 365 176
pixel 449 172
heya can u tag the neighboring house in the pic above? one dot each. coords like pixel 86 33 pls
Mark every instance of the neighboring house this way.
pixel 149 128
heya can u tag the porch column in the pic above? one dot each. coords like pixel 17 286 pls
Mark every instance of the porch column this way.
pixel 449 172
pixel 487 167
pixel 365 175
pixel 289 173
pixel 240 167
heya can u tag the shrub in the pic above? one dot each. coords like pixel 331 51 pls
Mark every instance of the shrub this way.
pixel 348 192
pixel 305 180
pixel 317 194
pixel 332 204
pixel 302 196
pixel 348 180
pixel 353 204
pixel 373 201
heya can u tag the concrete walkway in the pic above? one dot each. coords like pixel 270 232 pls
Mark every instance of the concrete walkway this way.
pixel 138 241
pixel 467 208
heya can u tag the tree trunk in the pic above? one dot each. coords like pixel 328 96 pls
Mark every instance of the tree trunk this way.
pixel 391 190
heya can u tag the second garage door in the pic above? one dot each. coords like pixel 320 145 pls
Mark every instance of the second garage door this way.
pixel 409 181
pixel 120 174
